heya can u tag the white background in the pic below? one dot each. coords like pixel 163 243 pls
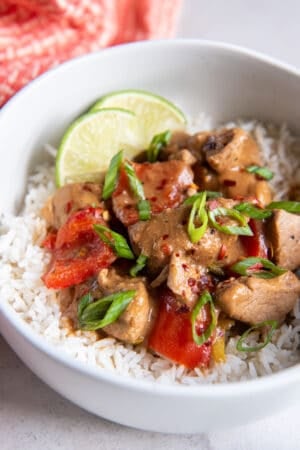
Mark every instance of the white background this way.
pixel 32 416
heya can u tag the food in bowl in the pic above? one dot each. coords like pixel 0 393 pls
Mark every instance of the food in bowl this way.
pixel 181 251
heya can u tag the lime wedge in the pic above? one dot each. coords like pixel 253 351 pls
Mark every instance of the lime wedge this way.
pixel 155 113
pixel 92 140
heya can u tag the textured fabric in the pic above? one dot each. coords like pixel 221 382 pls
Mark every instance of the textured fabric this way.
pixel 38 34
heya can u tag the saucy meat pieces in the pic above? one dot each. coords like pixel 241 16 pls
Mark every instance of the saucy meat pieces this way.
pixel 166 233
pixel 135 322
pixel 283 233
pixel 68 199
pixel 165 185
pixel 227 149
pixel 254 300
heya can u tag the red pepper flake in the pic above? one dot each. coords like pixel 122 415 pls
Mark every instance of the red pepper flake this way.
pixel 256 267
pixel 184 266
pixel 165 236
pixel 177 255
pixel 223 252
pixel 68 207
pixel 166 249
pixel 213 204
pixel 153 199
pixel 162 184
pixel 192 282
pixel 229 183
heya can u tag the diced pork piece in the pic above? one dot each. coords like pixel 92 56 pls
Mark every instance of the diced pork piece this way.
pixel 68 199
pixel 185 147
pixel 135 322
pixel 186 278
pixel 239 184
pixel 254 300
pixel 165 185
pixel 165 233
pixel 230 148
pixel 283 234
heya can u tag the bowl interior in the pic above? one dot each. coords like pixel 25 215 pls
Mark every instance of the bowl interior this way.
pixel 220 80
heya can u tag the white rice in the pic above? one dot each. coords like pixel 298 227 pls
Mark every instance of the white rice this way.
pixel 22 262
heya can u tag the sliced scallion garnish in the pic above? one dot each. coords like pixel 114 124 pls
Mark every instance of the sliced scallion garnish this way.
pixel 102 312
pixel 137 189
pixel 203 300
pixel 115 240
pixel 252 211
pixel 258 267
pixel 243 230
pixel 158 142
pixel 263 172
pixel 139 265
pixel 289 206
pixel 198 213
pixel 144 209
pixel 111 176
pixel 273 324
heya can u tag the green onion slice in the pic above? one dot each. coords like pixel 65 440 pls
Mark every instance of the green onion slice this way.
pixel 84 301
pixel 252 211
pixel 139 265
pixel 201 339
pixel 144 209
pixel 198 213
pixel 243 230
pixel 289 206
pixel 258 267
pixel 115 240
pixel 158 142
pixel 138 190
pixel 209 194
pixel 273 324
pixel 263 172
pixel 102 312
pixel 111 176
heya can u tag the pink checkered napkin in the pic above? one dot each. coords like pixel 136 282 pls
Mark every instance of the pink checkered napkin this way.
pixel 38 34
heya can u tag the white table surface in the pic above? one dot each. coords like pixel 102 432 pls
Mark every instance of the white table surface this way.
pixel 32 416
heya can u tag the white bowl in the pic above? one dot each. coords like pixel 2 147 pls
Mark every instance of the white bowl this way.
pixel 225 82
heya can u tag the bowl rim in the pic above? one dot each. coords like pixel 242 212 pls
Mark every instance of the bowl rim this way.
pixel 203 390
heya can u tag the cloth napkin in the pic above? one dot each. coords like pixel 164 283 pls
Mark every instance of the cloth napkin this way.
pixel 36 35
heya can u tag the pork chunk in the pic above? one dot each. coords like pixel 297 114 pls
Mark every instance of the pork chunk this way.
pixel 68 199
pixel 230 148
pixel 185 278
pixel 165 233
pixel 165 185
pixel 185 147
pixel 254 300
pixel 135 322
pixel 283 233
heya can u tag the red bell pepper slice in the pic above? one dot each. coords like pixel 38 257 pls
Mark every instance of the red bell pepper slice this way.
pixel 78 252
pixel 255 245
pixel 172 337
